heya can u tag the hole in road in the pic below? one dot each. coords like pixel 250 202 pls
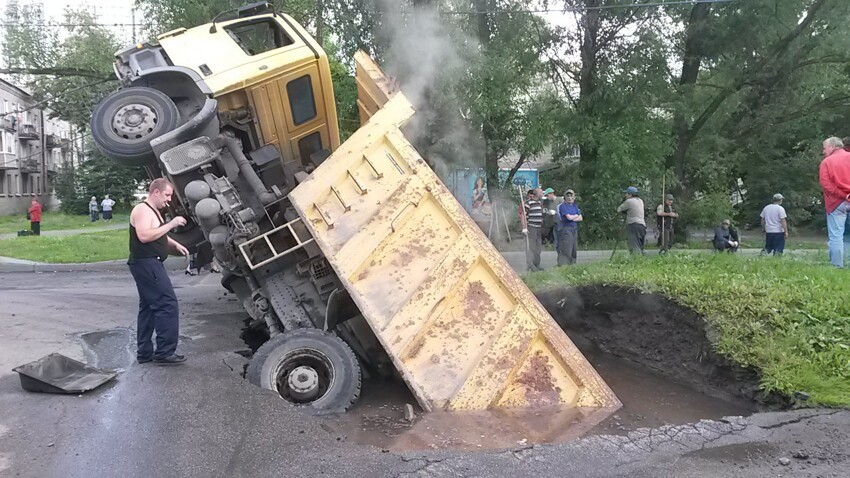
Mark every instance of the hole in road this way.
pixel 653 353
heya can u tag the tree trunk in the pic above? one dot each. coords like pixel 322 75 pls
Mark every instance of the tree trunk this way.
pixel 589 24
pixel 485 31
pixel 320 13
pixel 691 62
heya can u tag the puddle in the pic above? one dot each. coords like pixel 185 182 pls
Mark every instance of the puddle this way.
pixel 112 349
pixel 649 400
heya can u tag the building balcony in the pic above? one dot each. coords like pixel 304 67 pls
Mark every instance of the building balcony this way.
pixel 30 165
pixel 8 161
pixel 9 123
pixel 52 140
pixel 28 132
pixel 66 144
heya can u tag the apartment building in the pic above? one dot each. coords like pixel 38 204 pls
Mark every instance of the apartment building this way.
pixel 33 148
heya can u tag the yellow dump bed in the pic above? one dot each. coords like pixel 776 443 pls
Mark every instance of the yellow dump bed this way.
pixel 463 330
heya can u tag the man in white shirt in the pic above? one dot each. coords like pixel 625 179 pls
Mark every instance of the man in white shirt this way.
pixel 775 225
pixel 106 207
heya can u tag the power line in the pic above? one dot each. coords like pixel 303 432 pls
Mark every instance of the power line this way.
pixel 56 96
pixel 411 12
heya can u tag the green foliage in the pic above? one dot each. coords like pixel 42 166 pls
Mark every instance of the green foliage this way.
pixel 85 49
pixel 90 247
pixel 707 211
pixel 97 176
pixel 787 318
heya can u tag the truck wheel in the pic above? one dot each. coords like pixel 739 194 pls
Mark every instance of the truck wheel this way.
pixel 125 122
pixel 308 367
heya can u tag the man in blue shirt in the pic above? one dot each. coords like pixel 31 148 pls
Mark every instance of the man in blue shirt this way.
pixel 570 216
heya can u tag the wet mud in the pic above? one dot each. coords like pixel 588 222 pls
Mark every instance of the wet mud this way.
pixel 653 353
pixel 655 334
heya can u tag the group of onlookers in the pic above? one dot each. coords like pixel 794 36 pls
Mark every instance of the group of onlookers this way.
pixel 105 205
pixel 543 216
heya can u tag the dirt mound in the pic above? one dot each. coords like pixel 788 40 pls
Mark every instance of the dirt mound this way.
pixel 654 332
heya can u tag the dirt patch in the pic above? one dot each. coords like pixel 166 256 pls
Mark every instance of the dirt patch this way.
pixel 654 332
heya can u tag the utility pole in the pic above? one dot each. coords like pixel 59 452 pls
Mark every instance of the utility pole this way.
pixel 133 16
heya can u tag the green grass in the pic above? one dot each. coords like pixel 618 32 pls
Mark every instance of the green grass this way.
pixel 57 221
pixel 789 318
pixel 88 247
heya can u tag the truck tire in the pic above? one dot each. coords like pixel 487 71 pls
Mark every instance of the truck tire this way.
pixel 334 363
pixel 125 122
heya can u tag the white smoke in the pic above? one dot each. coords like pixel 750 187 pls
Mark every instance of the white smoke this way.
pixel 428 56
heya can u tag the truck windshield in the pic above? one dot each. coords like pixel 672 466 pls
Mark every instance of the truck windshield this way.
pixel 259 36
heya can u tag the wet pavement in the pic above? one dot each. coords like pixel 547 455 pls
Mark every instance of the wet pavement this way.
pixel 204 419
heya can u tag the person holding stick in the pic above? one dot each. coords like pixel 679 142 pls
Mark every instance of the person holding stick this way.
pixel 665 217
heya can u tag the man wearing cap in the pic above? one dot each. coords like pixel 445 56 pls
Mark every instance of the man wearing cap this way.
pixel 834 176
pixel 665 216
pixel 569 215
pixel 726 237
pixel 635 223
pixel 533 228
pixel 550 217
pixel 775 225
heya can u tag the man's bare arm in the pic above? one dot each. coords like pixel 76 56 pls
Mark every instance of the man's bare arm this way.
pixel 147 224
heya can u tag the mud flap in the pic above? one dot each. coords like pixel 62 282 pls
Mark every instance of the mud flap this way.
pixel 57 373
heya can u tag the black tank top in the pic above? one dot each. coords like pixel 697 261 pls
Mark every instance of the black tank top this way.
pixel 143 250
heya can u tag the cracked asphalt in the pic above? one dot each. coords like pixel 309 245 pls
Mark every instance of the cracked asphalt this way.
pixel 203 419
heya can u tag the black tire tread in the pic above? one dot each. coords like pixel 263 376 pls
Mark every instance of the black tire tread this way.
pixel 255 368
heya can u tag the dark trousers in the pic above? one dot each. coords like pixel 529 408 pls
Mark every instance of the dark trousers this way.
pixel 36 227
pixel 774 242
pixel 567 245
pixel 665 238
pixel 535 245
pixel 157 309
pixel 637 236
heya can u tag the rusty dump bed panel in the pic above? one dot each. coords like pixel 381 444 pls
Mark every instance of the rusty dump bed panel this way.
pixel 462 329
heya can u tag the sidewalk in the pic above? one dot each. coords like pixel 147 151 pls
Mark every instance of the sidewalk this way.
pixel 71 232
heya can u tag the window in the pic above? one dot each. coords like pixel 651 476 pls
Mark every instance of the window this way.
pixel 259 36
pixel 301 101
pixel 38 185
pixel 7 143
pixel 309 145
pixel 2 183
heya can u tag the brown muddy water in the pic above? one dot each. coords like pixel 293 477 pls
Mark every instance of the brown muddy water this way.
pixel 649 400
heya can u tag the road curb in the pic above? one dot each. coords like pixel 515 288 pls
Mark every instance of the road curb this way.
pixel 172 263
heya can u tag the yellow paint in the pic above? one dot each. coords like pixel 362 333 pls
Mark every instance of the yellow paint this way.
pixel 463 330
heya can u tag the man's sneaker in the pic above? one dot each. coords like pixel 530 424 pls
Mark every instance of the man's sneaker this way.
pixel 174 359
pixel 143 360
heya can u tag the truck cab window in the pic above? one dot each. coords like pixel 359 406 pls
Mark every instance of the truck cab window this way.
pixel 301 101
pixel 259 36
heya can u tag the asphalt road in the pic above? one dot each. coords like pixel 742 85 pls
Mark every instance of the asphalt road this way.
pixel 202 419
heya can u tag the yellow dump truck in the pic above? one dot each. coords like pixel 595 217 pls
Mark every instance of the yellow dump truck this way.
pixel 348 255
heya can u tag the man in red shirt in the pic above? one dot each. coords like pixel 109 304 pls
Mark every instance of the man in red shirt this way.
pixel 835 181
pixel 35 217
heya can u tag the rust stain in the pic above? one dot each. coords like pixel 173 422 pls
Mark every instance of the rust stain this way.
pixel 537 382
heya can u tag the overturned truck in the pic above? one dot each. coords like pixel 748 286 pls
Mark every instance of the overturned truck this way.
pixel 348 255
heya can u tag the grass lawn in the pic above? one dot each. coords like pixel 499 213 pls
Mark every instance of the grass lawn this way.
pixel 787 317
pixel 87 247
pixel 57 221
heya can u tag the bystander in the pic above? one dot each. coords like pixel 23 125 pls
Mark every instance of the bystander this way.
pixel 774 222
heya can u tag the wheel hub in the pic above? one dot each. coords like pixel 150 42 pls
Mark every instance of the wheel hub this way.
pixel 303 383
pixel 134 121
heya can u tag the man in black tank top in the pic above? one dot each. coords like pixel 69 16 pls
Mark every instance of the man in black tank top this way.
pixel 149 247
